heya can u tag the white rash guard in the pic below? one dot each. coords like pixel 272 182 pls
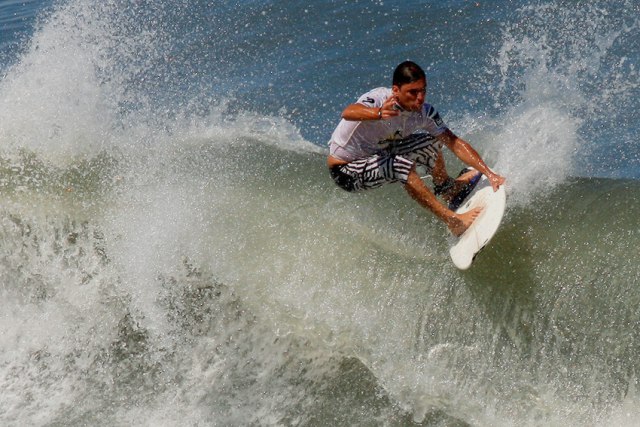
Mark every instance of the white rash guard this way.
pixel 354 140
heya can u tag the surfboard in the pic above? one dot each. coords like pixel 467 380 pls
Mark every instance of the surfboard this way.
pixel 478 235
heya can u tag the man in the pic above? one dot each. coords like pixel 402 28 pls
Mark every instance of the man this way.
pixel 383 136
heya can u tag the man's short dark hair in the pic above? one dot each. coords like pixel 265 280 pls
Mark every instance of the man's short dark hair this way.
pixel 408 72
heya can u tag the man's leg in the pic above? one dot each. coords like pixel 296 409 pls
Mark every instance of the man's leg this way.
pixel 377 170
pixel 453 191
pixel 417 189
pixel 441 179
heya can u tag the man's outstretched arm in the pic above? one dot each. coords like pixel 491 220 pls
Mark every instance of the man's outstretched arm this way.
pixel 468 155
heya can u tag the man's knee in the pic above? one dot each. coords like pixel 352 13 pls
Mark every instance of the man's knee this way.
pixel 413 176
pixel 343 180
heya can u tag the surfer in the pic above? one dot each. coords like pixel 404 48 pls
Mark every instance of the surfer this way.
pixel 387 132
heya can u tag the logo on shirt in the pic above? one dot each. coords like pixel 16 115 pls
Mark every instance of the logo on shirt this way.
pixel 369 100
pixel 438 120
pixel 390 140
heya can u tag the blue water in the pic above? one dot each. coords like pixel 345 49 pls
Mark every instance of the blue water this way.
pixel 174 253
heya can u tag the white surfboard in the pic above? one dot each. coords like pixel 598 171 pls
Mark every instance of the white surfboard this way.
pixel 477 236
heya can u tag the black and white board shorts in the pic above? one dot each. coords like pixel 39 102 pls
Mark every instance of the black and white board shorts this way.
pixel 392 164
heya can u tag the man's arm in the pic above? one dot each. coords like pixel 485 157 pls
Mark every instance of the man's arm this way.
pixel 466 153
pixel 360 112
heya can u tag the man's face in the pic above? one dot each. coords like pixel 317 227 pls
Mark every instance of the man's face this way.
pixel 410 96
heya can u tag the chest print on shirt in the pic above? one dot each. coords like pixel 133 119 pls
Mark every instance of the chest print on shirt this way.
pixel 390 139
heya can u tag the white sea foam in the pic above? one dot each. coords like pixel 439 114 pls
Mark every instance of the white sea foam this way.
pixel 206 270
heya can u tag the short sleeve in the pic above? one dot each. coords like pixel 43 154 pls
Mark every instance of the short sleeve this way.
pixel 375 97
pixel 433 122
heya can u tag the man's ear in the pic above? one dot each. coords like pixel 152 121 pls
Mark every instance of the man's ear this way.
pixel 395 89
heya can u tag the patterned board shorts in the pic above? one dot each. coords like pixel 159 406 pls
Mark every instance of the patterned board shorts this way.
pixel 392 164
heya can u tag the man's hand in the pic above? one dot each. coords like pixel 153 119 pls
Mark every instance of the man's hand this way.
pixel 496 180
pixel 388 109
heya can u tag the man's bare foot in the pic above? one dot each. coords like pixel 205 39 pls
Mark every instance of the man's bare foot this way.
pixel 462 222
